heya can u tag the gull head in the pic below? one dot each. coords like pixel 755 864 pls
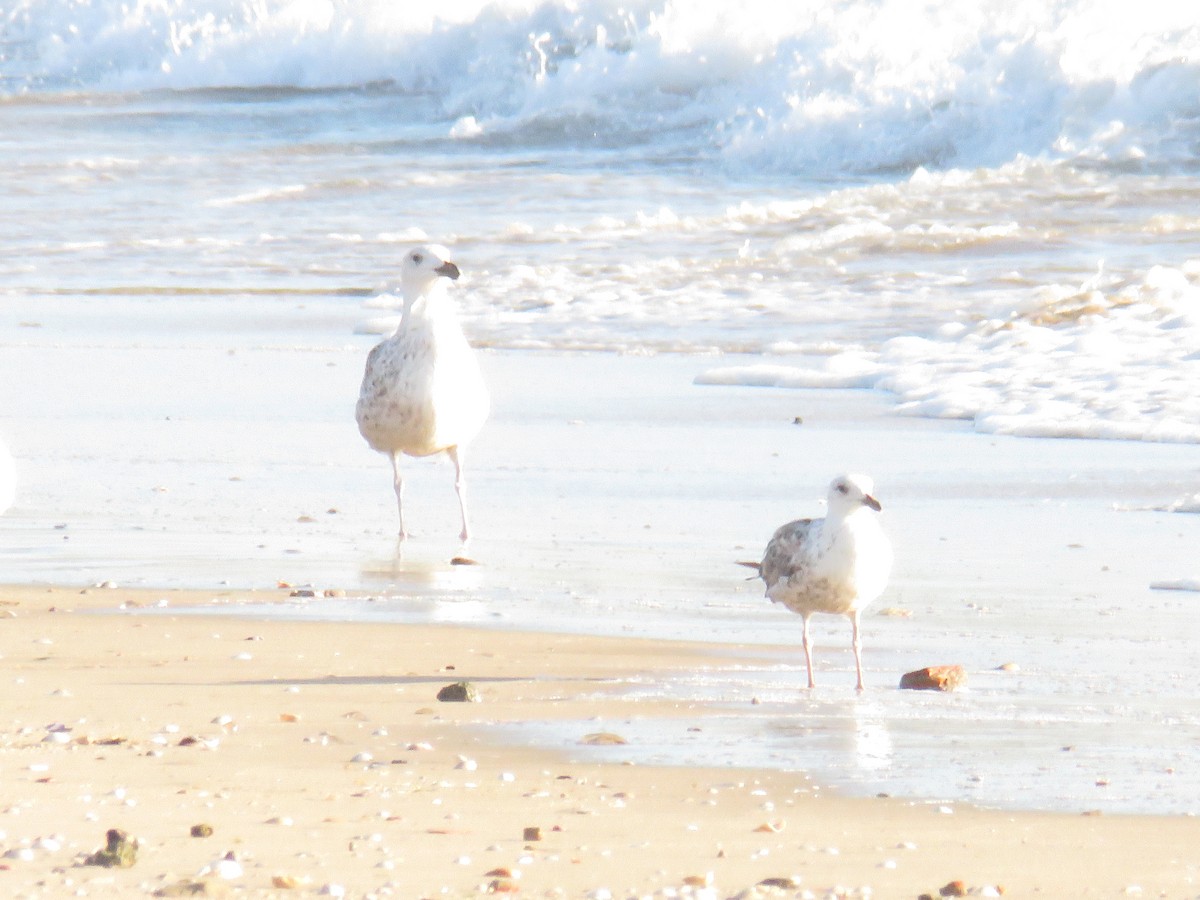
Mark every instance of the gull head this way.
pixel 848 493
pixel 421 268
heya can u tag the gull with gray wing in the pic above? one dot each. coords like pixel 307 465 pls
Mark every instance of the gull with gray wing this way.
pixel 837 565
pixel 422 392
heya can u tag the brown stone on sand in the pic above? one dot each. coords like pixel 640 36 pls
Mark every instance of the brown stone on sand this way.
pixel 532 833
pixel 459 692
pixel 934 678
pixel 120 851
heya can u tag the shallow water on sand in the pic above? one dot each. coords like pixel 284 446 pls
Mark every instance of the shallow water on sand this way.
pixel 615 499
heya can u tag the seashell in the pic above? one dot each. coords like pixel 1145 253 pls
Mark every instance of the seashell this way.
pixel 773 827
pixel 602 739
pixel 226 867
pixel 787 883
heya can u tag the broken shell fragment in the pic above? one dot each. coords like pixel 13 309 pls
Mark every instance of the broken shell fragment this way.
pixel 773 827
pixel 602 738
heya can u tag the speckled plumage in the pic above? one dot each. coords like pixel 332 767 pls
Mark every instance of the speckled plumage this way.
pixel 422 392
pixel 836 565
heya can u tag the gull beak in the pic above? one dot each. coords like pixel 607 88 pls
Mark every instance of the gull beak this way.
pixel 449 269
pixel 870 501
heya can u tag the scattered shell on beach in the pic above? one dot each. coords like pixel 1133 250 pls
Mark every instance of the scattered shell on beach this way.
pixel 226 867
pixel 772 827
pixel 289 882
pixel 788 883
pixel 532 833
pixel 602 738
pixel 201 830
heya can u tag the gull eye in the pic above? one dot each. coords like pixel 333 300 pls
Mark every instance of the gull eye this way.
pixel 843 488
pixel 418 258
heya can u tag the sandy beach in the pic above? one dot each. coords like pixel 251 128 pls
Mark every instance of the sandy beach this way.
pixel 709 262
pixel 320 758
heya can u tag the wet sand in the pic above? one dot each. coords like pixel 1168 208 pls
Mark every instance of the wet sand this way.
pixel 612 496
pixel 318 754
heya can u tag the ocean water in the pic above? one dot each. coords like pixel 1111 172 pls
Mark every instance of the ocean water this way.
pixel 973 226
pixel 987 209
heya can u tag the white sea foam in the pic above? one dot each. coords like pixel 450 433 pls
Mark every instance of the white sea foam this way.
pixel 1106 360
pixel 645 177
pixel 839 85
pixel 1189 503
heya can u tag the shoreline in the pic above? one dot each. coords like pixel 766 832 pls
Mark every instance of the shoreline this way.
pixel 320 756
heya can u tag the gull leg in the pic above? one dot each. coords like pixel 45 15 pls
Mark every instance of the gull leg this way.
pixel 808 655
pixel 398 484
pixel 857 644
pixel 460 488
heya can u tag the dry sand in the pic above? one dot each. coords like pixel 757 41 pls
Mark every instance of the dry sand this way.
pixel 319 756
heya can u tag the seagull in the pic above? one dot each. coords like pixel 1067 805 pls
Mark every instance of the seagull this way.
pixel 422 392
pixel 837 564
